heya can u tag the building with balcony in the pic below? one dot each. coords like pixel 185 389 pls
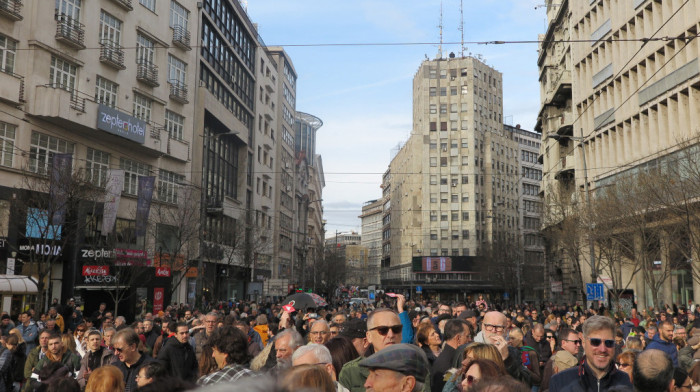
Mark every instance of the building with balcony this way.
pixel 115 118
pixel 632 116
pixel 453 187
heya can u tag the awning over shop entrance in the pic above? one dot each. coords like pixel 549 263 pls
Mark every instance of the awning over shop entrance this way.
pixel 17 284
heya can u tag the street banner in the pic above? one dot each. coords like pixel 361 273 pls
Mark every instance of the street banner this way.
pixel 61 166
pixel 157 299
pixel 113 193
pixel 143 204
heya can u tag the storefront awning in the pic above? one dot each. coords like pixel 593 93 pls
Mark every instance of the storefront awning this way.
pixel 17 284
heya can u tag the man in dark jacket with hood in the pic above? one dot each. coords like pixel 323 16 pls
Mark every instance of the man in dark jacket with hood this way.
pixel 663 341
pixel 536 339
pixel 178 355
pixel 597 372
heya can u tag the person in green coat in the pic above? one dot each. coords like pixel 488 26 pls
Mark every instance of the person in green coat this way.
pixel 57 352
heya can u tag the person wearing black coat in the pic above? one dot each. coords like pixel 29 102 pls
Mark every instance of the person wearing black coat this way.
pixel 178 357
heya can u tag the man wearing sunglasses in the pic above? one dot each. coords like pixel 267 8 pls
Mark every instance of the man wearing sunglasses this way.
pixel 664 341
pixel 383 330
pixel 569 347
pixel 125 346
pixel 597 372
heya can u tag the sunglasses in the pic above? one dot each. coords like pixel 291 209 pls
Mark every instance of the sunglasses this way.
pixel 576 342
pixel 383 330
pixel 549 337
pixel 595 342
pixel 471 379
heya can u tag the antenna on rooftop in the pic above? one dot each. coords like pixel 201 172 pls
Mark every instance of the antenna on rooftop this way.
pixel 461 23
pixel 440 27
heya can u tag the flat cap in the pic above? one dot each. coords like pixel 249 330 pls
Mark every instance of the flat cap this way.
pixel 467 314
pixel 404 358
pixel 355 329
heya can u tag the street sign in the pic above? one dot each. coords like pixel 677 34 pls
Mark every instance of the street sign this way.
pixel 506 296
pixel 419 289
pixel 595 291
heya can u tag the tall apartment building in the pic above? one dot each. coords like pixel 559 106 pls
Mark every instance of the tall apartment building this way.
pixel 530 268
pixel 453 186
pixel 108 85
pixel 635 110
pixel 371 237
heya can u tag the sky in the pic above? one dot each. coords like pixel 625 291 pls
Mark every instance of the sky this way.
pixel 363 92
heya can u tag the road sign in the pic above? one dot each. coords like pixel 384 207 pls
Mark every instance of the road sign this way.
pixel 419 289
pixel 595 291
pixel 506 296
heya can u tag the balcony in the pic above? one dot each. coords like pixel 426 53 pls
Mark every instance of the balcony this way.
pixel 11 9
pixel 70 31
pixel 178 91
pixel 147 72
pixel 178 149
pixel 126 4
pixel 62 105
pixel 11 88
pixel 181 37
pixel 112 54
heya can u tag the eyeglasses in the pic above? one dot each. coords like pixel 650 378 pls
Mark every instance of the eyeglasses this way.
pixel 623 365
pixel 595 342
pixel 118 350
pixel 576 342
pixel 491 327
pixel 334 332
pixel 383 330
pixel 319 332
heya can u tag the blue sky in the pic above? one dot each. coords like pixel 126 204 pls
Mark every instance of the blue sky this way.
pixel 363 93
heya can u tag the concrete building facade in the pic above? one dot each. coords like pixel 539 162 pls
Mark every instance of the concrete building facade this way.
pixel 635 108
pixel 372 237
pixel 453 186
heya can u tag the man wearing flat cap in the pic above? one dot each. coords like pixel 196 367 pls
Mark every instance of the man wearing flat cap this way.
pixel 398 368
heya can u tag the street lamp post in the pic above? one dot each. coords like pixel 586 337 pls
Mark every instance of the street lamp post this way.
pixel 591 248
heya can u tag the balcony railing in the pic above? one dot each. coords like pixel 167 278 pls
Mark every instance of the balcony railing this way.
pixel 147 72
pixel 181 37
pixel 178 91
pixel 126 4
pixel 11 9
pixel 76 101
pixel 70 31
pixel 112 54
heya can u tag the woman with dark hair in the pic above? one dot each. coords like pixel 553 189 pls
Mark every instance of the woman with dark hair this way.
pixel 481 370
pixel 342 351
pixel 682 380
pixel 429 340
pixel 207 364
pixel 230 350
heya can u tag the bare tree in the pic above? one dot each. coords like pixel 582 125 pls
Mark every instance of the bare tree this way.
pixel 51 206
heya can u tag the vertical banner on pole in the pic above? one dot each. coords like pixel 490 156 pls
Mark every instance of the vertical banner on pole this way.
pixel 115 184
pixel 143 204
pixel 157 299
pixel 61 166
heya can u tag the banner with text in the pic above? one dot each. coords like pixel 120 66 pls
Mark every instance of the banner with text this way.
pixel 157 299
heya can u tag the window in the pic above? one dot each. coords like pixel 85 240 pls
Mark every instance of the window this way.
pixel 106 92
pixel 150 4
pixel 433 126
pixel 443 216
pixel 455 216
pixel 433 216
pixel 174 124
pixel 433 162
pixel 443 125
pixel 443 91
pixel 465 217
pixel 132 171
pixel 145 49
pixel 433 91
pixel 433 180
pixel 177 71
pixel 8 52
pixel 465 90
pixel 110 30
pixel 7 143
pixel 96 166
pixel 433 235
pixel 62 74
pixel 454 198
pixel 443 108
pixel 178 15
pixel 142 107
pixel 465 234
pixel 42 149
pixel 453 108
pixel 168 183
pixel 433 108
pixel 69 8
pixel 453 90
pixel 433 197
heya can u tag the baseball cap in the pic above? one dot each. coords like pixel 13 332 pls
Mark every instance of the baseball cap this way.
pixel 403 358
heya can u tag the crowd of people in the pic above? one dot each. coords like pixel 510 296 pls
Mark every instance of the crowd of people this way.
pixel 390 345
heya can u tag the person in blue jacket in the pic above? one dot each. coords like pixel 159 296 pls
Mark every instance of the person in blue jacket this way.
pixel 663 341
pixel 407 334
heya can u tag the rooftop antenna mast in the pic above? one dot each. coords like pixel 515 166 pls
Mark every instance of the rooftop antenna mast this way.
pixel 461 24
pixel 440 26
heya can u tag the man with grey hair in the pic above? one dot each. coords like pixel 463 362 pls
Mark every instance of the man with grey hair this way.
pixel 320 332
pixel 598 371
pixel 317 354
pixel 201 338
pixel 286 342
pixel 653 372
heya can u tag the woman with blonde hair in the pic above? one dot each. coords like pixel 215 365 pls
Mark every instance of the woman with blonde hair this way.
pixel 107 378
pixel 307 377
pixel 69 343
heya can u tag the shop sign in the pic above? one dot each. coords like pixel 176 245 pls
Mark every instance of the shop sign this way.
pixel 100 279
pixel 42 249
pixel 162 272
pixel 192 272
pixel 95 254
pixel 132 257
pixel 95 270
pixel 121 124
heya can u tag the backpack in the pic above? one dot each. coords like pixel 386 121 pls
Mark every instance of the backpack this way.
pixel 525 357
